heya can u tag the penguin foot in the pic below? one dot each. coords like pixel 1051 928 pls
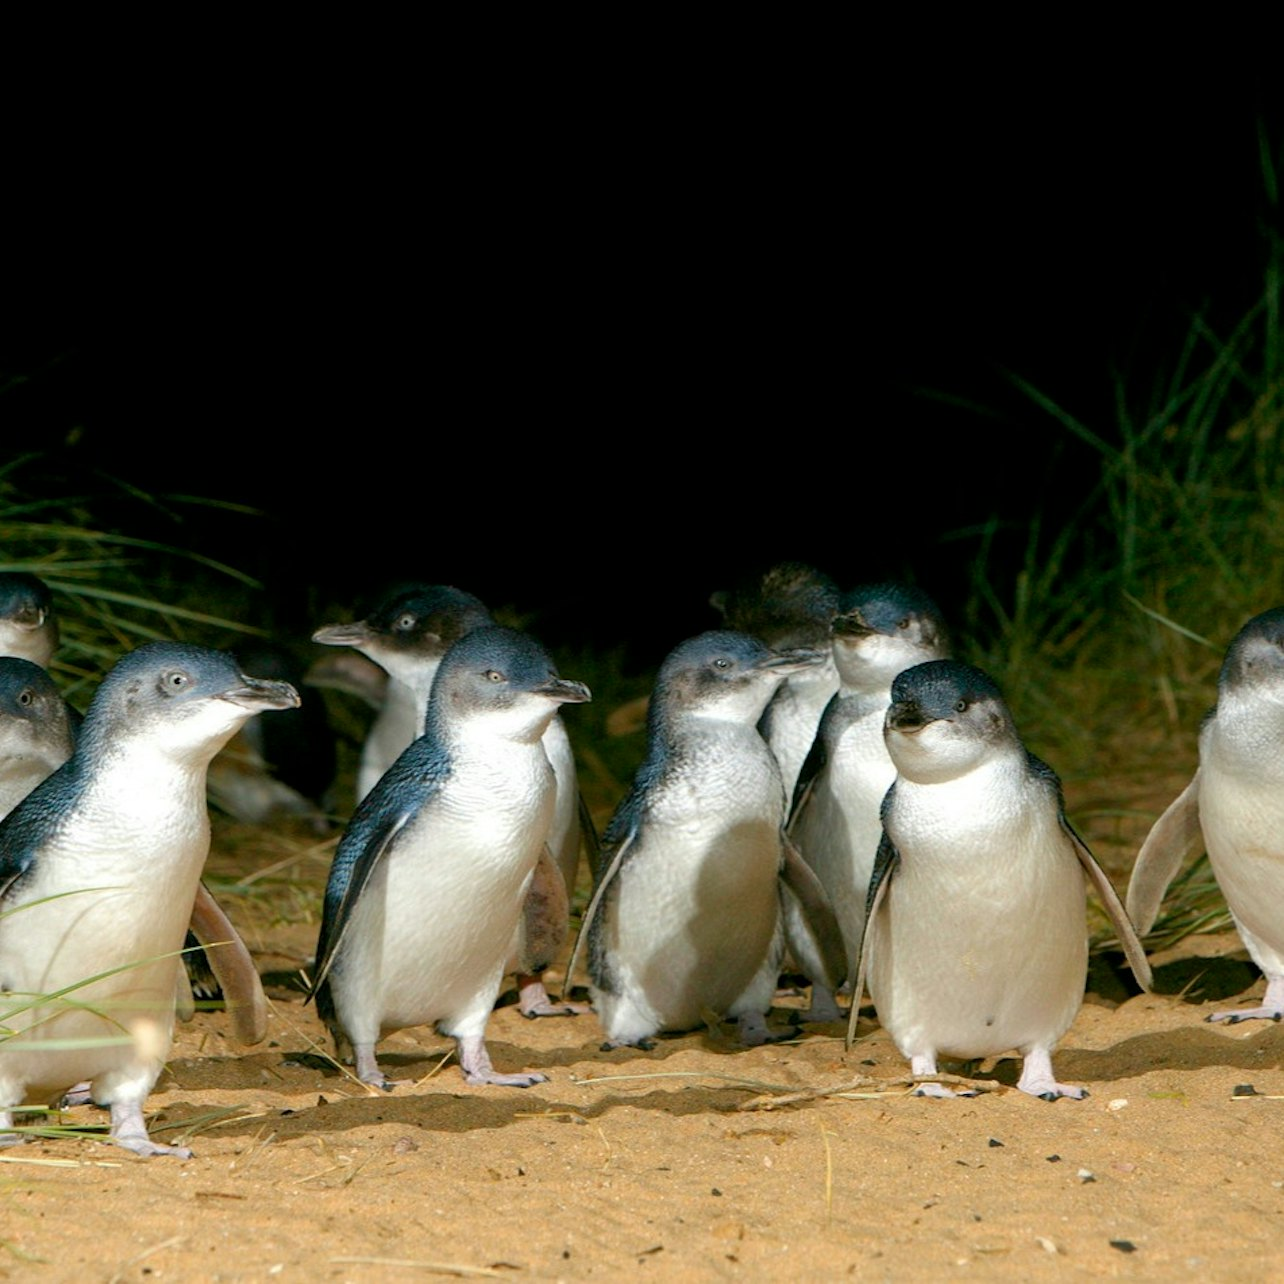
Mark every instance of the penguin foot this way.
pixel 824 1007
pixel 533 1002
pixel 1038 1080
pixel 77 1095
pixel 646 1045
pixel 1263 1013
pixel 368 1070
pixel 939 1090
pixel 752 1030
pixel 475 1061
pixel 130 1133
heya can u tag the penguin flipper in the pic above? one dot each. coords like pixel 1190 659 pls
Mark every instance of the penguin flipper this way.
pixel 885 864
pixel 604 882
pixel 815 762
pixel 232 966
pixel 545 916
pixel 1127 934
pixel 811 927
pixel 1170 839
pixel 362 847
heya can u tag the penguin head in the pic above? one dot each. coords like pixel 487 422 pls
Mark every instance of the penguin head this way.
pixel 410 629
pixel 33 715
pixel 184 702
pixel 881 630
pixel 945 719
pixel 724 675
pixel 1254 661
pixel 789 605
pixel 28 625
pixel 499 682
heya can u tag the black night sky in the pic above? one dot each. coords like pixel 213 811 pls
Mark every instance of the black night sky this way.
pixel 594 368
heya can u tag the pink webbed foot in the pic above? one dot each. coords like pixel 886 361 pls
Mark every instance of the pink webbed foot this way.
pixel 1271 1008
pixel 533 1001
pixel 1038 1080
pixel 475 1061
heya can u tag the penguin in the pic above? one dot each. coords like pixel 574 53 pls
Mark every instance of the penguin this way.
pixel 1235 801
pixel 424 899
pixel 408 633
pixel 879 631
pixel 28 625
pixel 791 605
pixel 99 872
pixel 36 733
pixel 699 890
pixel 975 941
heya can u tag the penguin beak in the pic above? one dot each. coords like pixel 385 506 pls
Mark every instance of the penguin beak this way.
pixel 794 661
pixel 907 717
pixel 260 693
pixel 343 634
pixel 851 625
pixel 564 691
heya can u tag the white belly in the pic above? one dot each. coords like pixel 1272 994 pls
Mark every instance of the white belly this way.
pixel 839 830
pixel 980 945
pixel 695 915
pixel 1241 811
pixel 430 934
pixel 134 876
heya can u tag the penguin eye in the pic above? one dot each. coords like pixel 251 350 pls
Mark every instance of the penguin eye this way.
pixel 26 698
pixel 494 675
pixel 903 624
pixel 961 706
pixel 175 680
pixel 405 623
pixel 722 663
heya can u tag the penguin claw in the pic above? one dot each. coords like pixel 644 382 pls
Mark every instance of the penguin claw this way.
pixel 644 1044
pixel 1245 1014
pixel 550 1009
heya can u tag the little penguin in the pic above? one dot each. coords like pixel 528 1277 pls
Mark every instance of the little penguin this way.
pixel 426 892
pixel 975 941
pixel 698 890
pixel 99 871
pixel 879 631
pixel 1236 800
pixel 408 634
pixel 37 735
pixel 790 605
pixel 28 625
pixel 36 732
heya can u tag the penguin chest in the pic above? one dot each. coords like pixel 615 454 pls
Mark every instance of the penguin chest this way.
pixel 1241 812
pixel 122 870
pixel 697 906
pixel 432 929
pixel 839 830
pixel 980 945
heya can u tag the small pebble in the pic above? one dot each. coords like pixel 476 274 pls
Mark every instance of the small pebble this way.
pixel 1053 1159
pixel 1086 1175
pixel 1123 1245
pixel 1244 1090
pixel 1047 1245
pixel 994 1141
pixel 1118 1103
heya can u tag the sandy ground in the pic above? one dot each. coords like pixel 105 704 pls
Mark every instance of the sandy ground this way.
pixel 697 1161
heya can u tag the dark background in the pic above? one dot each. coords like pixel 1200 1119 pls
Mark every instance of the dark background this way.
pixel 596 366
